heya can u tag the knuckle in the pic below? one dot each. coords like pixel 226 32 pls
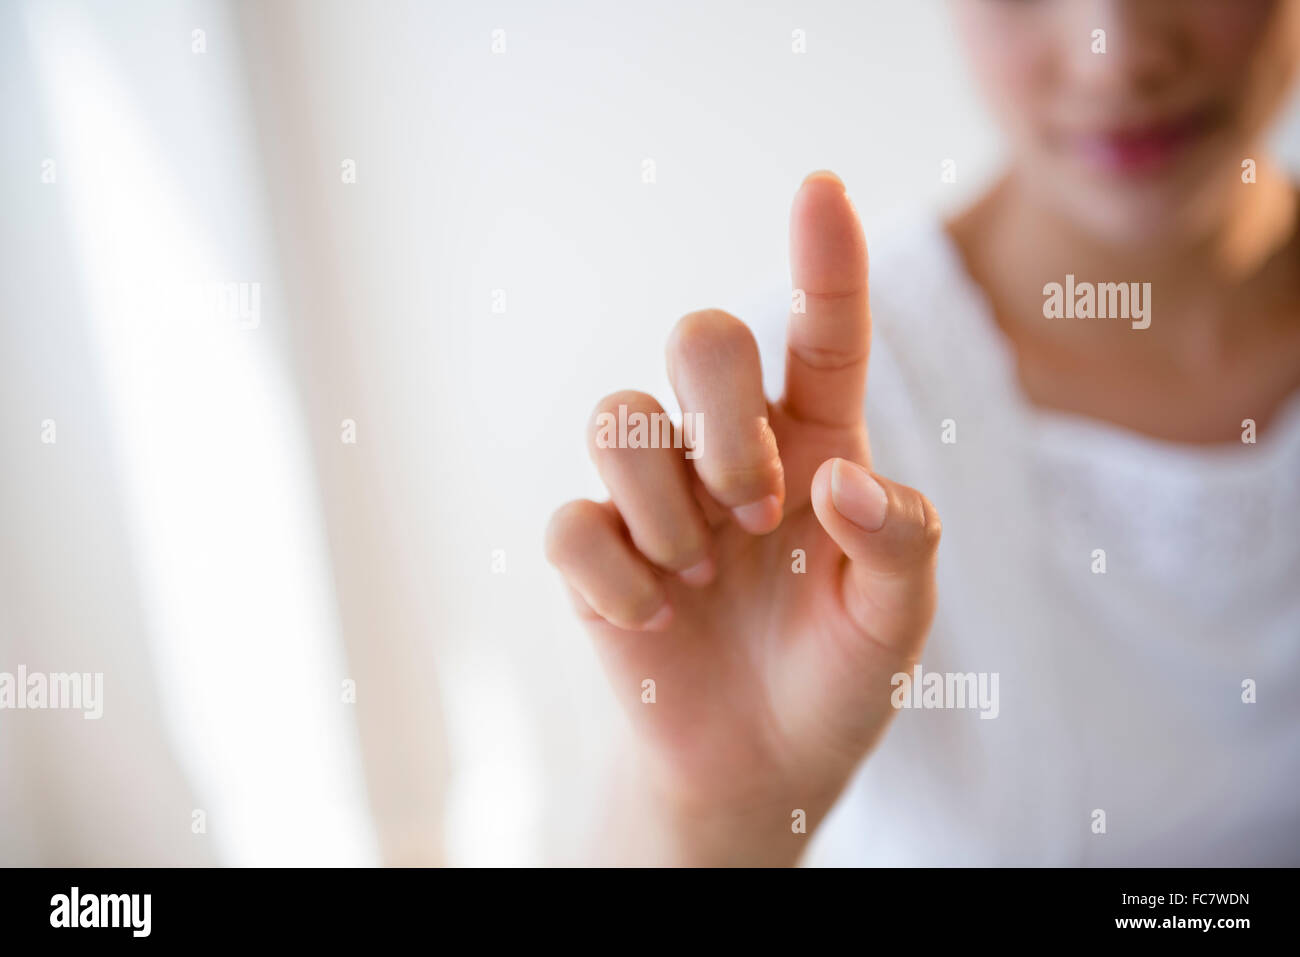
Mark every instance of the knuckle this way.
pixel 931 527
pixel 914 530
pixel 826 359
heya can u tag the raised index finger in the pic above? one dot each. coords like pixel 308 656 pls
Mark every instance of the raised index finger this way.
pixel 827 343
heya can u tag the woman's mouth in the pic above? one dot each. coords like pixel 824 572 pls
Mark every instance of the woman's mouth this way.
pixel 1141 149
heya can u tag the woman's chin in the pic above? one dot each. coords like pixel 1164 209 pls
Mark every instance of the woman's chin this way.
pixel 1133 214
pixel 1172 203
pixel 1124 225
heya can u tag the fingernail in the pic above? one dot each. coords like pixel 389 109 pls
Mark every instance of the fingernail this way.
pixel 701 573
pixel 659 621
pixel 759 518
pixel 823 174
pixel 857 496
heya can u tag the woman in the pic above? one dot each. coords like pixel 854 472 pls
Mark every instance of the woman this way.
pixel 1094 376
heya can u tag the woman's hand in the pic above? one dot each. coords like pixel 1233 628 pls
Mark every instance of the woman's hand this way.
pixel 770 587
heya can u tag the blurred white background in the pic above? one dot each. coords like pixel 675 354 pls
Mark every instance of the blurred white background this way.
pixel 201 532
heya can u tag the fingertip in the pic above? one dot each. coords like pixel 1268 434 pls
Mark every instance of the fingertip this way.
pixel 760 517
pixel 857 496
pixel 699 574
pixel 823 175
pixel 829 247
pixel 660 619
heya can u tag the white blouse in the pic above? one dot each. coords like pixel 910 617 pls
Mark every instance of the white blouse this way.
pixel 1122 736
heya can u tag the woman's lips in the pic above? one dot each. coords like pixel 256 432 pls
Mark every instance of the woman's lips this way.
pixel 1138 149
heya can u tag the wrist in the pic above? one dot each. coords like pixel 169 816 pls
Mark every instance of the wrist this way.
pixel 769 835
pixel 770 830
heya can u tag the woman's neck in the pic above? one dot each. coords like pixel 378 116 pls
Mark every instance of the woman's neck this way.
pixel 1223 341
pixel 1203 282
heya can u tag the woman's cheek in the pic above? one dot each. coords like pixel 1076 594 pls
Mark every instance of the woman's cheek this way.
pixel 1231 34
pixel 1012 50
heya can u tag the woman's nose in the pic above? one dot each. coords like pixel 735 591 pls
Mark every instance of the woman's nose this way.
pixel 1126 46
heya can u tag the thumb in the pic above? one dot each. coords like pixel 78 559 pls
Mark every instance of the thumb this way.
pixel 890 535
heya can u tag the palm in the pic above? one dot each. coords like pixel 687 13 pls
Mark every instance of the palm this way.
pixel 732 712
